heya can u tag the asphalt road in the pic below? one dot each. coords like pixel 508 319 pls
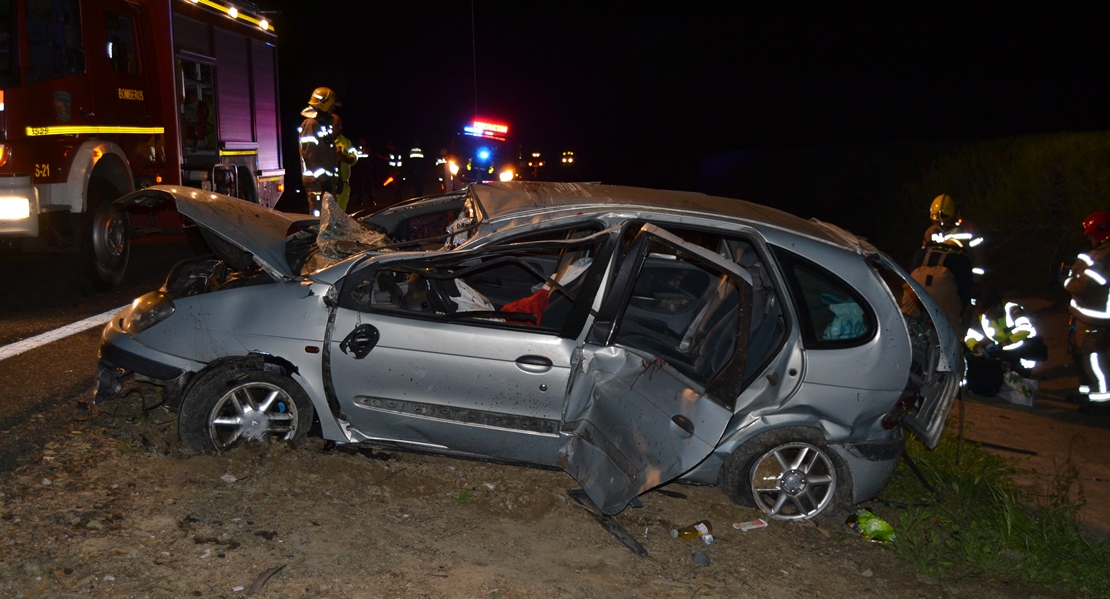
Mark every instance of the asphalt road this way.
pixel 39 295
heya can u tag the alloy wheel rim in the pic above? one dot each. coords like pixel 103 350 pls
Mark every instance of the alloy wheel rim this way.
pixel 795 481
pixel 255 411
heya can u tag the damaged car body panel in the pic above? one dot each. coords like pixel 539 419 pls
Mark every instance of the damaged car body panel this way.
pixel 252 228
pixel 630 337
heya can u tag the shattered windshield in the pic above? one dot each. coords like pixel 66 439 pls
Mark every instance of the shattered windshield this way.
pixel 336 238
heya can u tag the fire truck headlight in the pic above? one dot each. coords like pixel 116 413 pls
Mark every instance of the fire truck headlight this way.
pixel 147 311
pixel 506 175
pixel 14 208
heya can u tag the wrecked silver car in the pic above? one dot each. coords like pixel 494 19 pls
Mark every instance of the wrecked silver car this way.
pixel 629 337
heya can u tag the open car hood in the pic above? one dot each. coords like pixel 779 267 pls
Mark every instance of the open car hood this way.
pixel 259 231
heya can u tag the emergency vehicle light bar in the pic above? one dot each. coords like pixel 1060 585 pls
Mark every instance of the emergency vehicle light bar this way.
pixel 92 130
pixel 234 13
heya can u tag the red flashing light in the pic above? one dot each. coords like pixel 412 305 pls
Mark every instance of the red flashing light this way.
pixel 487 129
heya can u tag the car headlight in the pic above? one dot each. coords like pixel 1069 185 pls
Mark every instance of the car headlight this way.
pixel 147 311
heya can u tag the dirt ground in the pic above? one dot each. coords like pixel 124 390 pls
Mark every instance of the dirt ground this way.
pixel 109 506
pixel 113 508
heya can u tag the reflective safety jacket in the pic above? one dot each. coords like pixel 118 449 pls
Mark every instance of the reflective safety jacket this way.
pixel 1009 331
pixel 963 237
pixel 316 140
pixel 348 155
pixel 1087 284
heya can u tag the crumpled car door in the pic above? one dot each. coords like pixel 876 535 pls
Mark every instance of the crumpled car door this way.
pixel 660 369
pixel 937 362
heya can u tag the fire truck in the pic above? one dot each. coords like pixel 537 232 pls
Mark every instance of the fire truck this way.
pixel 101 97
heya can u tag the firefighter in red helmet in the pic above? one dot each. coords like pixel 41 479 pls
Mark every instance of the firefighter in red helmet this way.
pixel 1089 285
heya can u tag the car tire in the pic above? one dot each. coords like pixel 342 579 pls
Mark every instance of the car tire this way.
pixel 103 240
pixel 237 402
pixel 818 486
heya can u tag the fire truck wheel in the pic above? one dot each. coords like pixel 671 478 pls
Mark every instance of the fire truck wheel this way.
pixel 103 239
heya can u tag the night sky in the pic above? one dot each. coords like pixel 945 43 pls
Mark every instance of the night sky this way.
pixel 618 81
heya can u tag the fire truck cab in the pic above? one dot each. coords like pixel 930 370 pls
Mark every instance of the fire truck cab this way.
pixel 101 97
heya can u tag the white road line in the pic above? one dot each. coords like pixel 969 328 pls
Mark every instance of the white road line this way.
pixel 30 343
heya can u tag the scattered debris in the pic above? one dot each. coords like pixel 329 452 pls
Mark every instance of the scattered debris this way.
pixel 870 526
pixel 750 524
pixel 700 558
pixel 256 587
pixel 701 528
pixel 608 523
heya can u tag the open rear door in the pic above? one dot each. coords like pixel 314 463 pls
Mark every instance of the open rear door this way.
pixel 660 370
pixel 937 365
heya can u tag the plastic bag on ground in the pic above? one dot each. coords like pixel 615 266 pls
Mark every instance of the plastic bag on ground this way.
pixel 1018 389
pixel 871 527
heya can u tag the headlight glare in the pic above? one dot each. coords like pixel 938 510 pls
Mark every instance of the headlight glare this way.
pixel 147 311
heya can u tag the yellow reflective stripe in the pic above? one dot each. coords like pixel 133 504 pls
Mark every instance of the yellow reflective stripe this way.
pixel 238 152
pixel 227 11
pixel 92 130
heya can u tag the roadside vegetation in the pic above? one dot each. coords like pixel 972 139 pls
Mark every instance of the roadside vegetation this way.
pixel 975 521
pixel 1028 195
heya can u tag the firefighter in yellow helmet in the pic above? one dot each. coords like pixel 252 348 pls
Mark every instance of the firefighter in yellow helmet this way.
pixel 951 229
pixel 316 140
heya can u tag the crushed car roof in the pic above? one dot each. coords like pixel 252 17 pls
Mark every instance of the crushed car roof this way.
pixel 519 198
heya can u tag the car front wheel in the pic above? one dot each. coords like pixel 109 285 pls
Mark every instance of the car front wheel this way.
pixel 233 404
pixel 789 474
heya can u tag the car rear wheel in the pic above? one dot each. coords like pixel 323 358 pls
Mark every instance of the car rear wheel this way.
pixel 789 474
pixel 234 404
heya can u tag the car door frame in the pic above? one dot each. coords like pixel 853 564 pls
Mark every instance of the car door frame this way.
pixel 613 468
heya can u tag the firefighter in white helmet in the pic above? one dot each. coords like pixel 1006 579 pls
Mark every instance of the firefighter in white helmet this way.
pixel 316 139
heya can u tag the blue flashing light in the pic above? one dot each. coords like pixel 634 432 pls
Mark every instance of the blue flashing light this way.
pixel 483 154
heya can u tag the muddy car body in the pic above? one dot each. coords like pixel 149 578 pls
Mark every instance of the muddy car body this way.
pixel 630 337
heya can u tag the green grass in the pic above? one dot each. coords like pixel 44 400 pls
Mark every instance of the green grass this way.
pixel 978 522
pixel 462 497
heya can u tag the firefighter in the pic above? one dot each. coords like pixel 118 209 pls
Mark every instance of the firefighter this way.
pixel 347 154
pixel 944 270
pixel 949 227
pixel 1004 331
pixel 1090 305
pixel 316 137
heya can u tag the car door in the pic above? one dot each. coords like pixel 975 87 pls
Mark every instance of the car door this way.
pixel 660 370
pixel 429 353
pixel 937 362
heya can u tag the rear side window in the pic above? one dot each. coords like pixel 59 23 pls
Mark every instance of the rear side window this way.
pixel 831 312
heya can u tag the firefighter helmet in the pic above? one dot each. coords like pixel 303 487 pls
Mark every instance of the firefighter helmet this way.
pixel 943 209
pixel 322 99
pixel 1097 226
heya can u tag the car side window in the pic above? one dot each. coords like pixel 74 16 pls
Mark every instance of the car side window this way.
pixel 832 314
pixel 523 285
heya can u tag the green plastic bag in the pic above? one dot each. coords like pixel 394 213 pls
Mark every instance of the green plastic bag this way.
pixel 871 527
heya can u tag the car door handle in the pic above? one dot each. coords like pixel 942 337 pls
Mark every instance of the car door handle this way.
pixel 534 364
pixel 684 423
pixel 360 341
